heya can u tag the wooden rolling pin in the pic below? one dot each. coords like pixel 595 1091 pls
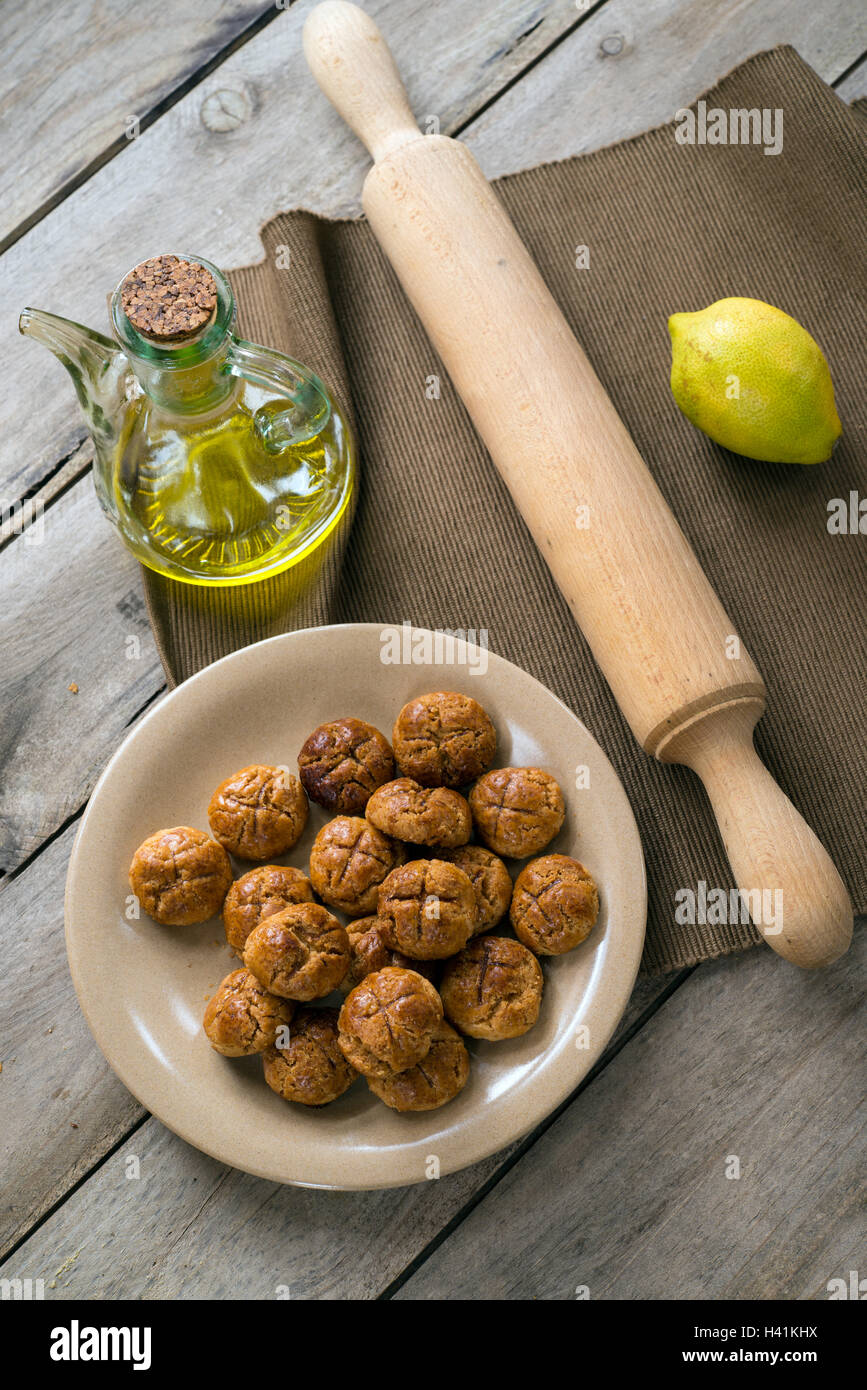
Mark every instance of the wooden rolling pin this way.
pixel 687 686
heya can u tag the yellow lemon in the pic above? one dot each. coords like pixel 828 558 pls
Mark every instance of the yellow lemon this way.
pixel 754 380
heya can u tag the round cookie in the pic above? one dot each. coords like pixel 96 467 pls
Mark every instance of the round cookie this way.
pixel 349 860
pixel 299 953
pixel 243 1018
pixel 427 909
pixel 435 816
pixel 517 810
pixel 490 878
pixel 387 1022
pixel 310 1069
pixel 258 894
pixel 342 763
pixel 493 989
pixel 443 740
pixel 432 1082
pixel 555 905
pixel 180 876
pixel 369 953
pixel 259 812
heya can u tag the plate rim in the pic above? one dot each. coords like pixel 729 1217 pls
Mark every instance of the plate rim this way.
pixel 627 973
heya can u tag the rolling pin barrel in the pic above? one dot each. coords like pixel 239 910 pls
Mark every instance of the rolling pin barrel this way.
pixel 676 666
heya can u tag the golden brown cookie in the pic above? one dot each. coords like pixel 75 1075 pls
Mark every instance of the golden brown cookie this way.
pixel 310 1069
pixel 387 1022
pixel 517 810
pixel 349 860
pixel 490 878
pixel 342 763
pixel 259 812
pixel 555 905
pixel 433 1081
pixel 427 909
pixel 243 1018
pixel 180 876
pixel 370 953
pixel 443 740
pixel 493 989
pixel 258 894
pixel 434 816
pixel 299 953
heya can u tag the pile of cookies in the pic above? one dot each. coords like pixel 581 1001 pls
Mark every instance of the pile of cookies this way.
pixel 416 959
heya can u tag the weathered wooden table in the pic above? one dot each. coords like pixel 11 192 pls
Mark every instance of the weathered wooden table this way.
pixel 135 127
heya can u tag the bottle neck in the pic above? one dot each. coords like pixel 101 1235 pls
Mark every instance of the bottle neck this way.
pixel 189 377
pixel 191 389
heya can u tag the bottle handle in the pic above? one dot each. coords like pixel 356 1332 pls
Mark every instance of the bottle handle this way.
pixel 309 405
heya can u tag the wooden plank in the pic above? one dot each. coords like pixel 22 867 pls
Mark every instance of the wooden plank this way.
pixel 17 519
pixel 632 66
pixel 749 1059
pixel 72 614
pixel 192 1228
pixel 203 180
pixel 72 116
pixel 62 1105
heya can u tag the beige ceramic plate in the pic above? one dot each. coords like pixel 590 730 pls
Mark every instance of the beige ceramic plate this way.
pixel 143 987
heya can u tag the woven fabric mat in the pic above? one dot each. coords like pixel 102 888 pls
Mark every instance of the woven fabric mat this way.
pixel 437 541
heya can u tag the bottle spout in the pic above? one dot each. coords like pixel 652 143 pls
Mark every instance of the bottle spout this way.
pixel 71 342
pixel 97 366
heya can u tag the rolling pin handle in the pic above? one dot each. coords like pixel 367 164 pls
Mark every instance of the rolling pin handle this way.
pixel 786 877
pixel 353 66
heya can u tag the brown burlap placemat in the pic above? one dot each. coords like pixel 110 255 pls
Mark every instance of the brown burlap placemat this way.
pixel 437 541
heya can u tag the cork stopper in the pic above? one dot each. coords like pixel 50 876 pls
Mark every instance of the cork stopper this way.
pixel 169 300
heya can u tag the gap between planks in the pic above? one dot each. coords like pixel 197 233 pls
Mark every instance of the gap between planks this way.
pixel 524 1146
pixel 634 1019
pixel 754 1061
pixel 171 98
pixel 9 876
